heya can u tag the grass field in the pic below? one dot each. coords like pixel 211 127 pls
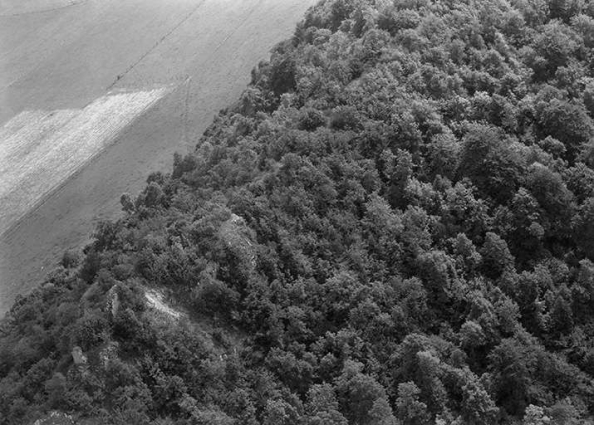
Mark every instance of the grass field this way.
pixel 66 58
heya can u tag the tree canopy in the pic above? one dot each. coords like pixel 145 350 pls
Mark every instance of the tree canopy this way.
pixel 392 225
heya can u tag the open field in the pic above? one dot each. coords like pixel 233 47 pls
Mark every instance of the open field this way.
pixel 49 147
pixel 65 59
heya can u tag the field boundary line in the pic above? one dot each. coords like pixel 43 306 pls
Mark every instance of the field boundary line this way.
pixel 216 49
pixel 238 26
pixel 157 44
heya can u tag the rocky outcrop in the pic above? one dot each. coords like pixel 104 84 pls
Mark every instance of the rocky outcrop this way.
pixel 236 236
pixel 78 356
pixel 113 301
pixel 55 418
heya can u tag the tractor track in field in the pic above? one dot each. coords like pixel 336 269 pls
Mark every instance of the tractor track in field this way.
pixel 156 45
pixel 51 9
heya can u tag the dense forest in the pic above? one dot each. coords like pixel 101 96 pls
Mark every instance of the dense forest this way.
pixel 394 225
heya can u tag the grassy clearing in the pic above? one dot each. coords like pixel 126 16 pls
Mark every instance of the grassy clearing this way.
pixel 40 150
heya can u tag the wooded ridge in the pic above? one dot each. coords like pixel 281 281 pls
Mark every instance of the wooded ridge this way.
pixel 394 224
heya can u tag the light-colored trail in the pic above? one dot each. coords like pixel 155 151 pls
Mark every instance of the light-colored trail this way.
pixel 66 59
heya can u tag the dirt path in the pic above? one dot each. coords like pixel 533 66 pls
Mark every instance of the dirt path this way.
pixel 67 58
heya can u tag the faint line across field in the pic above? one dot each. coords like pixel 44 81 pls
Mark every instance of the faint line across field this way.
pixel 29 12
pixel 237 27
pixel 157 44
pixel 187 136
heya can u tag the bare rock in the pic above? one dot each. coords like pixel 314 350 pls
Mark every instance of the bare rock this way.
pixel 55 418
pixel 78 356
pixel 236 235
pixel 113 301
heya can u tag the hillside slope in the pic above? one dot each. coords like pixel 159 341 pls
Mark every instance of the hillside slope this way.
pixel 69 57
pixel 392 225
